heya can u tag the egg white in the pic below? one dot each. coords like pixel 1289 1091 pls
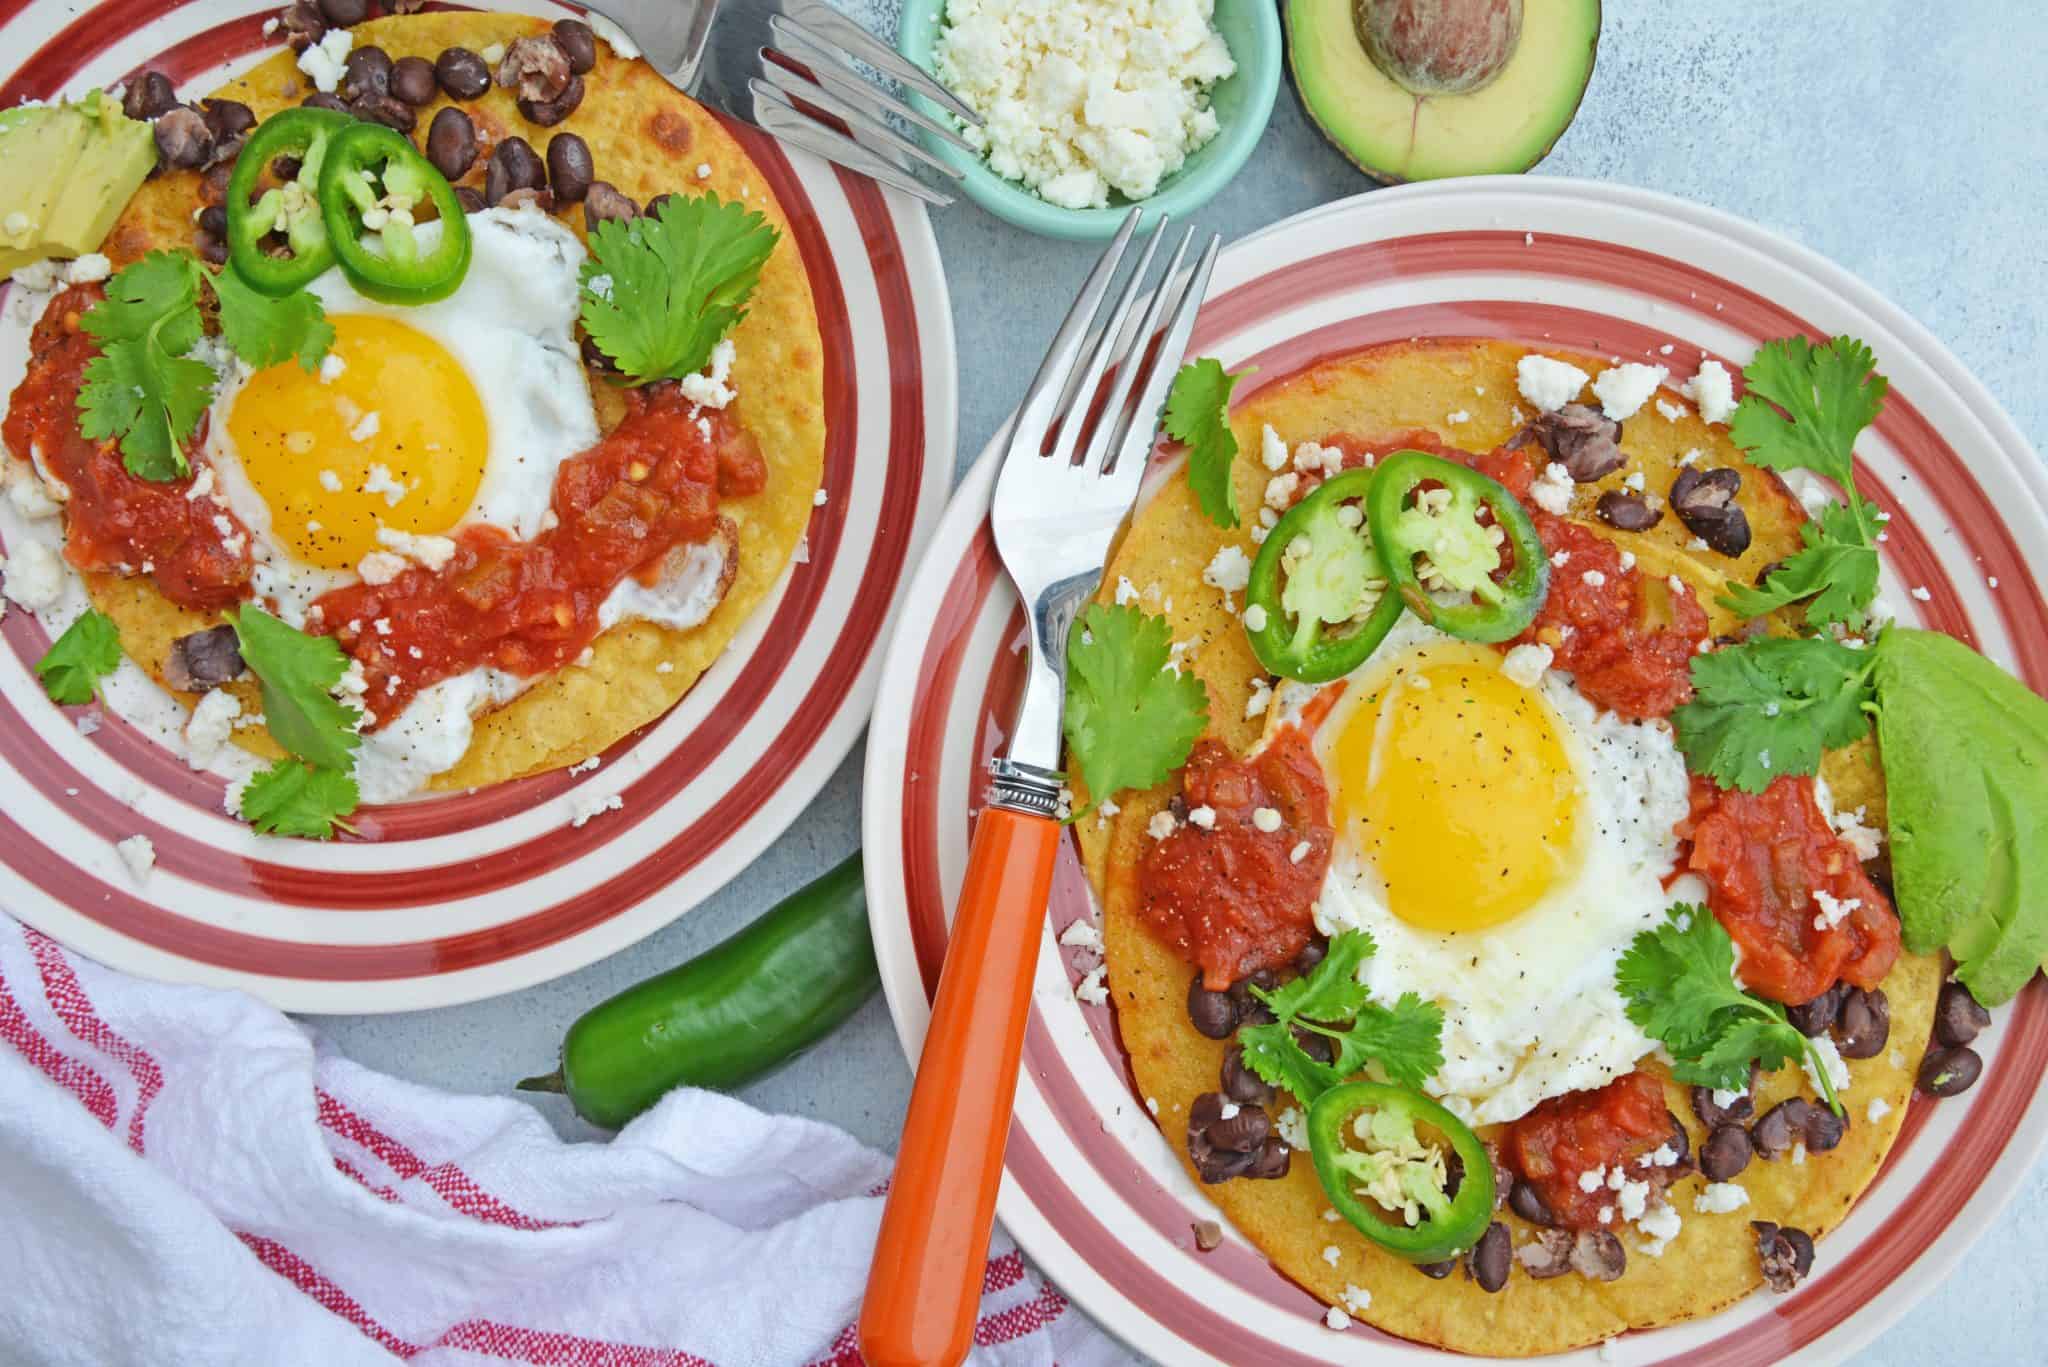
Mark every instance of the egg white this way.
pixel 1530 1006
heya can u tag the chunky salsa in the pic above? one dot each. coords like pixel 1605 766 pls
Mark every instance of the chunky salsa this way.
pixel 530 607
pixel 1605 1130
pixel 1788 891
pixel 193 549
pixel 1223 889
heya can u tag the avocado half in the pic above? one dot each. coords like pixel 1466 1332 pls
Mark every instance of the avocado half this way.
pixel 1396 132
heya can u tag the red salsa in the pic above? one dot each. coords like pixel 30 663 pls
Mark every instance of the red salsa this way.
pixel 192 549
pixel 1224 893
pixel 1768 858
pixel 1616 1126
pixel 530 607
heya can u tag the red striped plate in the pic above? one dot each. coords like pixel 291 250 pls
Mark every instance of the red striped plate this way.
pixel 465 897
pixel 1092 1192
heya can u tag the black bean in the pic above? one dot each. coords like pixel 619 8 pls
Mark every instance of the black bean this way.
pixel 1491 1257
pixel 148 95
pixel 412 80
pixel 1241 1129
pixel 514 165
pixel 286 168
pixel 1711 1115
pixel 1214 1014
pixel 1681 1143
pixel 1584 440
pixel 1950 1072
pixel 1598 1256
pixel 1958 1016
pixel 212 248
pixel 302 24
pixel 213 186
pixel 654 211
pixel 1629 511
pixel 1265 979
pixel 1272 1161
pixel 471 200
pixel 1436 1272
pixel 367 71
pixel 578 44
pixel 214 219
pixel 1212 1164
pixel 344 13
pixel 603 202
pixel 183 141
pixel 1726 1153
pixel 569 167
pixel 388 110
pixel 1527 1202
pixel 594 357
pixel 462 73
pixel 451 143
pixel 537 67
pixel 1824 1129
pixel 1317 948
pixel 1241 1083
pixel 1816 1017
pixel 1785 1255
pixel 1317 1046
pixel 320 99
pixel 1782 1126
pixel 1865 1024
pixel 200 660
pixel 548 113
pixel 1705 502
pixel 1547 1255
pixel 227 118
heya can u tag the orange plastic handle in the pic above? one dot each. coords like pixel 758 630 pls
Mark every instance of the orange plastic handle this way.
pixel 924 1287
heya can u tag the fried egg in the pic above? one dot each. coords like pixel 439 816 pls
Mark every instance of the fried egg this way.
pixel 1503 841
pixel 420 421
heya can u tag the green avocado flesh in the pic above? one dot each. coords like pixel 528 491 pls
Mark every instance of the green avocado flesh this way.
pixel 1393 135
pixel 70 169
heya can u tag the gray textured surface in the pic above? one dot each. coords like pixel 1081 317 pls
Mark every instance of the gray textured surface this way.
pixel 1907 141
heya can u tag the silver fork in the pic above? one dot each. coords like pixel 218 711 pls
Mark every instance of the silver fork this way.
pixel 738 55
pixel 1069 478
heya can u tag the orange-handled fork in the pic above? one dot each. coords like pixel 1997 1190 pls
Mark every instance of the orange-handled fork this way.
pixel 1068 481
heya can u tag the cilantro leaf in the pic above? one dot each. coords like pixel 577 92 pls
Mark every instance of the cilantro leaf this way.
pixel 1198 416
pixel 297 672
pixel 1130 721
pixel 88 651
pixel 1678 982
pixel 1404 1039
pixel 1837 570
pixel 295 798
pixel 1829 394
pixel 660 291
pixel 1771 706
pixel 267 330
pixel 142 388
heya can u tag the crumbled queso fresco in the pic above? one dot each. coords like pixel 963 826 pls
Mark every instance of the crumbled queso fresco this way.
pixel 1085 97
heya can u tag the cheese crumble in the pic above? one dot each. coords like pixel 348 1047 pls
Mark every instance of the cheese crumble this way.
pixel 1082 98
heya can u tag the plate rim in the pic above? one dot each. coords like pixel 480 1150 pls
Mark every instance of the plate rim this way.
pixel 883 811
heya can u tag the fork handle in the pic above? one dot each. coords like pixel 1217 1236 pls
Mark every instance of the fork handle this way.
pixel 924 1287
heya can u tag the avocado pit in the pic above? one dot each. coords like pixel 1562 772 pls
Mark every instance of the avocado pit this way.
pixel 1439 47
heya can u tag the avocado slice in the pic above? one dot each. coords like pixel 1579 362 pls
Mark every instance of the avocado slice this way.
pixel 1482 86
pixel 70 170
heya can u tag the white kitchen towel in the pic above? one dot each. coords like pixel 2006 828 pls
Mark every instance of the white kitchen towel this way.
pixel 189 1177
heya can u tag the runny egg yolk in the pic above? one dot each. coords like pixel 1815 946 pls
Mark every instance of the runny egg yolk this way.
pixel 397 437
pixel 1455 784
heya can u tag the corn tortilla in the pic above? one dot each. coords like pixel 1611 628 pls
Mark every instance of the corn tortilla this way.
pixel 1713 1261
pixel 646 138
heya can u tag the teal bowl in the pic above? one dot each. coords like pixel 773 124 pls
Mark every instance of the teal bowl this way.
pixel 1243 103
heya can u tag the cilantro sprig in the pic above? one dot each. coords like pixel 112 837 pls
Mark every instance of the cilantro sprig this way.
pixel 1405 1039
pixel 146 389
pixel 1773 706
pixel 1678 982
pixel 1198 416
pixel 1130 721
pixel 88 651
pixel 1805 408
pixel 308 794
pixel 659 291
pixel 292 797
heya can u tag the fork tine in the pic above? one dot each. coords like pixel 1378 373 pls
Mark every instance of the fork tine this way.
pixel 859 120
pixel 832 30
pixel 1079 394
pixel 776 115
pixel 829 69
pixel 1035 414
pixel 1172 349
